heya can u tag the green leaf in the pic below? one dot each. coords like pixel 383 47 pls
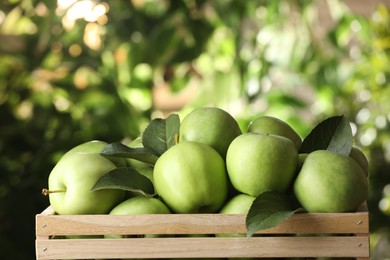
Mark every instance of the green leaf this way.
pixel 172 129
pixel 334 134
pixel 139 153
pixel 125 179
pixel 268 210
pixel 160 134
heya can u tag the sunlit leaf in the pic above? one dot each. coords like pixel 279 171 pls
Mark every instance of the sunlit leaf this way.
pixel 334 134
pixel 268 210
pixel 161 134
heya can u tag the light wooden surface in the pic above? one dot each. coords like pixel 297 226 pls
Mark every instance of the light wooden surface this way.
pixel 343 235
pixel 204 247
pixel 195 224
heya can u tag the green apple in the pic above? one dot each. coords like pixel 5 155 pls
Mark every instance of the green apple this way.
pixel 274 126
pixel 139 205
pixel 94 146
pixel 70 184
pixel 191 177
pixel 302 157
pixel 330 182
pixel 258 162
pixel 136 143
pixel 146 171
pixel 239 204
pixel 360 158
pixel 210 125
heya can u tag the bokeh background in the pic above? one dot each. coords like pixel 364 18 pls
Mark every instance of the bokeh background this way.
pixel 76 70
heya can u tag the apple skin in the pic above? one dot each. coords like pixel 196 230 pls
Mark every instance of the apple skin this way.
pixel 146 171
pixel 239 204
pixel 330 182
pixel 274 126
pixel 76 174
pixel 94 146
pixel 136 143
pixel 191 177
pixel 210 125
pixel 302 157
pixel 257 163
pixel 139 205
pixel 360 158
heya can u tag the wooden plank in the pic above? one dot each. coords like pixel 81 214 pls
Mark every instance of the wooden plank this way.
pixel 204 247
pixel 195 224
pixel 47 212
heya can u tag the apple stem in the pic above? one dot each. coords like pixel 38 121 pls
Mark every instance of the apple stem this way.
pixel 176 138
pixel 47 192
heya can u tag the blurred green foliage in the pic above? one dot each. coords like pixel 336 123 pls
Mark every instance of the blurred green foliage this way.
pixel 73 71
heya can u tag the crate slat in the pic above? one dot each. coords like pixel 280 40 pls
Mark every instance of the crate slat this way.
pixel 204 247
pixel 48 225
pixel 321 235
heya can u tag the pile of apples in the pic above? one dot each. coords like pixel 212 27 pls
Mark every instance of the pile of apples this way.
pixel 213 167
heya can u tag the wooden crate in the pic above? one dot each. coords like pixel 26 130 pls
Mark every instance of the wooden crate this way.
pixel 320 235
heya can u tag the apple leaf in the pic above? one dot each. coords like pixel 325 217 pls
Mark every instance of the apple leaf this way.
pixel 332 134
pixel 125 179
pixel 160 134
pixel 268 210
pixel 140 153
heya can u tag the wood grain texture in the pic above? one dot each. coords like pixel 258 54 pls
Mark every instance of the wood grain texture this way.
pixel 204 247
pixel 320 235
pixel 327 223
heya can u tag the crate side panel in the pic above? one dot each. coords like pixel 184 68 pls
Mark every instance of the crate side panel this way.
pixel 204 247
pixel 140 224
pixel 325 223
pixel 196 224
